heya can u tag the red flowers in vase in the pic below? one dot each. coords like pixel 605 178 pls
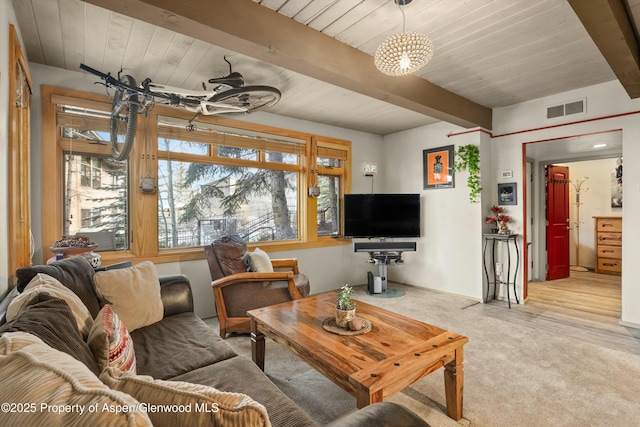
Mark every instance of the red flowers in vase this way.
pixel 499 218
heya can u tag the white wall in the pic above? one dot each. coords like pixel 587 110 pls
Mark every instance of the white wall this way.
pixel 448 256
pixel 328 268
pixel 7 16
pixel 595 200
pixel 608 108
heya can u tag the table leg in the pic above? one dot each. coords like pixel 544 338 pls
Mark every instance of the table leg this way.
pixel 364 398
pixel 493 264
pixel 454 385
pixel 257 345
pixel 509 274
pixel 515 292
pixel 486 273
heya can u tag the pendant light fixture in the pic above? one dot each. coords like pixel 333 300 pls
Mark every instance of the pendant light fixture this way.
pixel 403 53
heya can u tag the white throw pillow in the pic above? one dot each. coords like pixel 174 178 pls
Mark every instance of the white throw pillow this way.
pixel 261 261
pixel 134 294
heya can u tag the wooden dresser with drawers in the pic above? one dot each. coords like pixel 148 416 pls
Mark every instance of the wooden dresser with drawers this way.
pixel 608 231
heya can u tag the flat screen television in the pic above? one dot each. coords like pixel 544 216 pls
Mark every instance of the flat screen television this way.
pixel 381 215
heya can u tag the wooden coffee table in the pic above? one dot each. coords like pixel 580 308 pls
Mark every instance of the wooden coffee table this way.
pixel 397 351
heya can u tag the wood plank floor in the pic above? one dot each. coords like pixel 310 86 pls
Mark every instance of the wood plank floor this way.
pixel 586 292
pixel 585 306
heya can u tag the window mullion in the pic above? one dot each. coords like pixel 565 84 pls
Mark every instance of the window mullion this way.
pixel 143 162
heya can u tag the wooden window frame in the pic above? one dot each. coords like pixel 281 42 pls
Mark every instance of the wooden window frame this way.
pixel 19 214
pixel 143 218
pixel 336 149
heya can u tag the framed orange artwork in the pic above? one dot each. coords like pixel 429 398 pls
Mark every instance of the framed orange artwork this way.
pixel 438 167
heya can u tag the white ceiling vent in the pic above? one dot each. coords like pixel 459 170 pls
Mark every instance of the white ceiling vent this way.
pixel 573 107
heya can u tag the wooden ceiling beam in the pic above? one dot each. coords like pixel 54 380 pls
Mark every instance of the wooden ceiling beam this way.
pixel 609 25
pixel 245 27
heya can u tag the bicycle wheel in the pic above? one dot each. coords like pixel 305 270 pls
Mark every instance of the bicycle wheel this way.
pixel 124 119
pixel 251 98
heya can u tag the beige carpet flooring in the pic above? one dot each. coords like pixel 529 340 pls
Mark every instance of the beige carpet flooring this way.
pixel 516 374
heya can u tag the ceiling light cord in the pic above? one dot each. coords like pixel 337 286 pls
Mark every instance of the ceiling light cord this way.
pixel 403 17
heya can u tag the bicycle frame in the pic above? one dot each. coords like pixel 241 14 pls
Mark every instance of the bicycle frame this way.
pixel 196 101
pixel 204 106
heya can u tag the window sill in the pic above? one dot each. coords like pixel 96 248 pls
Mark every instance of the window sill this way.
pixel 196 253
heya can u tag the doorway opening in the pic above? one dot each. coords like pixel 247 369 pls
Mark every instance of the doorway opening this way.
pixel 591 158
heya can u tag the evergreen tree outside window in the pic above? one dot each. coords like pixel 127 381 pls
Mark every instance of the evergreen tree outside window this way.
pixel 223 193
pixel 331 162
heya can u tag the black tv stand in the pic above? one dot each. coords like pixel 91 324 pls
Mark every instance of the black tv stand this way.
pixel 385 253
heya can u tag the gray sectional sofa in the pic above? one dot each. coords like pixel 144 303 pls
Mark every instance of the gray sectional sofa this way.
pixel 182 348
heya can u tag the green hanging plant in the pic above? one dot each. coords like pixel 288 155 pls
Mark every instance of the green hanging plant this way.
pixel 467 157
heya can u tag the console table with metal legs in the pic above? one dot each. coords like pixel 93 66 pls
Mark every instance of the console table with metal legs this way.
pixel 495 239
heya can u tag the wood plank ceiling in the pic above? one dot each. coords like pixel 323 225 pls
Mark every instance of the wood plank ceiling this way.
pixel 489 53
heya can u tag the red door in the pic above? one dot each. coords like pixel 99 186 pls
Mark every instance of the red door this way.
pixel 557 197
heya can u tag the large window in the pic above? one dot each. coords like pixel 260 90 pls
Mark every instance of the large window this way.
pixel 219 180
pixel 95 188
pixel 224 177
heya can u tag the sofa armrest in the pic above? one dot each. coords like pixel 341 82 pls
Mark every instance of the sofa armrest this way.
pixel 176 294
pixel 383 414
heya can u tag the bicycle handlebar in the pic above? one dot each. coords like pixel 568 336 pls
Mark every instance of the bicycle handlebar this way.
pixel 94 71
pixel 108 78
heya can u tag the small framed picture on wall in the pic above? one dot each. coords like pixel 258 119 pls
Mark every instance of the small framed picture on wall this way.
pixel 438 167
pixel 508 194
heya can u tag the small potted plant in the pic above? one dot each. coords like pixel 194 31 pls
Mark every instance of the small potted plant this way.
pixel 345 307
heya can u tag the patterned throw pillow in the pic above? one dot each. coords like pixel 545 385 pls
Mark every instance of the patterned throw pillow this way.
pixel 43 283
pixel 209 406
pixel 110 342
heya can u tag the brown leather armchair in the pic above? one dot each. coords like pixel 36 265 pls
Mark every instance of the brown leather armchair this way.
pixel 237 290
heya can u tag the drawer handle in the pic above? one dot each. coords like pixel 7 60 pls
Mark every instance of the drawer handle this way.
pixel 609 264
pixel 607 251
